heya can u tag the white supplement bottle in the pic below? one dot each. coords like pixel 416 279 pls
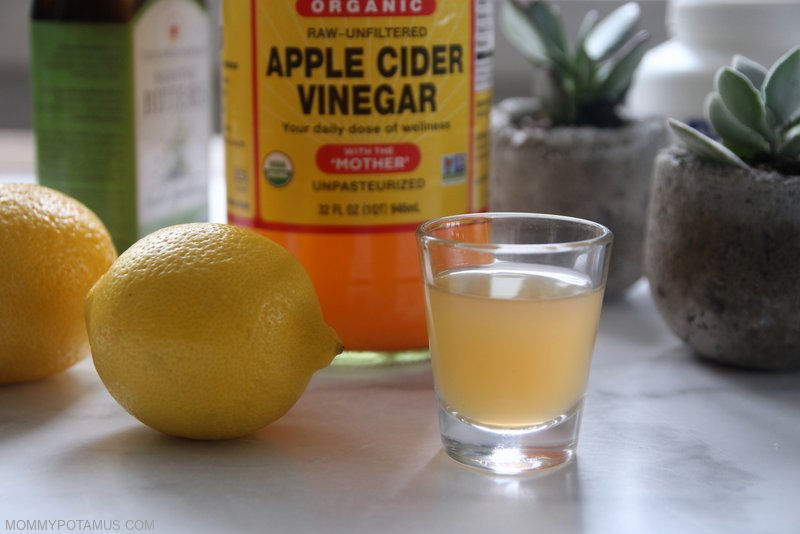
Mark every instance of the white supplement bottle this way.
pixel 675 77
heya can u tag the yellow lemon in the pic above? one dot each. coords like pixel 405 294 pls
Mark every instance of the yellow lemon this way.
pixel 207 331
pixel 52 249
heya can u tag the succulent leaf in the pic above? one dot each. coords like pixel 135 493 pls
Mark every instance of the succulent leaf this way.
pixel 611 33
pixel 704 146
pixel 567 107
pixel 791 147
pixel 744 141
pixel 585 83
pixel 585 69
pixel 755 126
pixel 587 24
pixel 781 90
pixel 547 20
pixel 533 40
pixel 523 35
pixel 618 80
pixel 742 99
pixel 754 71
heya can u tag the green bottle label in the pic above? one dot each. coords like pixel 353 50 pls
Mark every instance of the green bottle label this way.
pixel 122 115
pixel 83 118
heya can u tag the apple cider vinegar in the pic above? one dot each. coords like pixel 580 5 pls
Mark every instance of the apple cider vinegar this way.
pixel 511 347
pixel 347 124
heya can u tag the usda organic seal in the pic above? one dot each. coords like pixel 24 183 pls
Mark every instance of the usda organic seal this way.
pixel 278 169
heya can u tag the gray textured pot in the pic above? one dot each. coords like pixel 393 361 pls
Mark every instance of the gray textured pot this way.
pixel 601 174
pixel 723 258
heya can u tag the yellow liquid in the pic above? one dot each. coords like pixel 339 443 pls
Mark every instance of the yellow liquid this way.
pixel 511 347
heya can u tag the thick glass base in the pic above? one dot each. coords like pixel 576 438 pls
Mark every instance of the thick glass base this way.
pixel 510 450
pixel 363 358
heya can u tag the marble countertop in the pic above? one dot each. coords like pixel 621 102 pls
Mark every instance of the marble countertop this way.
pixel 669 444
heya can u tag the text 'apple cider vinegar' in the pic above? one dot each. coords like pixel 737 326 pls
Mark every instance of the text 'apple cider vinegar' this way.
pixel 347 124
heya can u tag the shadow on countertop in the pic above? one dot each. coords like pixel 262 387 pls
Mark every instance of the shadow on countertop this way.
pixel 28 405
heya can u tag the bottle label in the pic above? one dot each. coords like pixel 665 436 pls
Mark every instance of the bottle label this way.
pixel 356 115
pixel 83 118
pixel 122 115
pixel 172 85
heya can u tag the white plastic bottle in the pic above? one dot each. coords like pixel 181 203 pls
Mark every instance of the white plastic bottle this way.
pixel 675 77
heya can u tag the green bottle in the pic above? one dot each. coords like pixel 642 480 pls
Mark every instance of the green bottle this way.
pixel 122 108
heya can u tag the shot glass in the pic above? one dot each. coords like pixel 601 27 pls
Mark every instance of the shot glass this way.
pixel 513 302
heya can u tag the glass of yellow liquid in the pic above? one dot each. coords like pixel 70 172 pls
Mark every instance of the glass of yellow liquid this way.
pixel 513 302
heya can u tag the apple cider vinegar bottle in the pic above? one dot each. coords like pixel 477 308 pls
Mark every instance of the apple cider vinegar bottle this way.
pixel 347 123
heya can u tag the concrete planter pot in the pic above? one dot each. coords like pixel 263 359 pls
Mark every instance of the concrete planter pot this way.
pixel 723 258
pixel 600 174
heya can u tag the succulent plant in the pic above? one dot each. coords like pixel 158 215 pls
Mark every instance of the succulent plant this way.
pixel 755 112
pixel 588 80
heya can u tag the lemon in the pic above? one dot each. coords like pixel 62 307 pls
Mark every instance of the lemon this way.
pixel 207 331
pixel 52 249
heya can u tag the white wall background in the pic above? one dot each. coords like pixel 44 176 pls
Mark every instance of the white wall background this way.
pixel 512 72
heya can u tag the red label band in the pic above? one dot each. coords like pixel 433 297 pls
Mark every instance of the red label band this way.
pixel 365 8
pixel 368 159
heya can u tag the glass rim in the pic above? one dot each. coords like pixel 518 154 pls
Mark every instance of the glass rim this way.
pixel 604 237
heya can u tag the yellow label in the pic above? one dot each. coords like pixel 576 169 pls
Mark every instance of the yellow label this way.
pixel 356 114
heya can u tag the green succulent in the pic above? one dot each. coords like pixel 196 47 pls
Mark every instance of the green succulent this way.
pixel 755 112
pixel 588 80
